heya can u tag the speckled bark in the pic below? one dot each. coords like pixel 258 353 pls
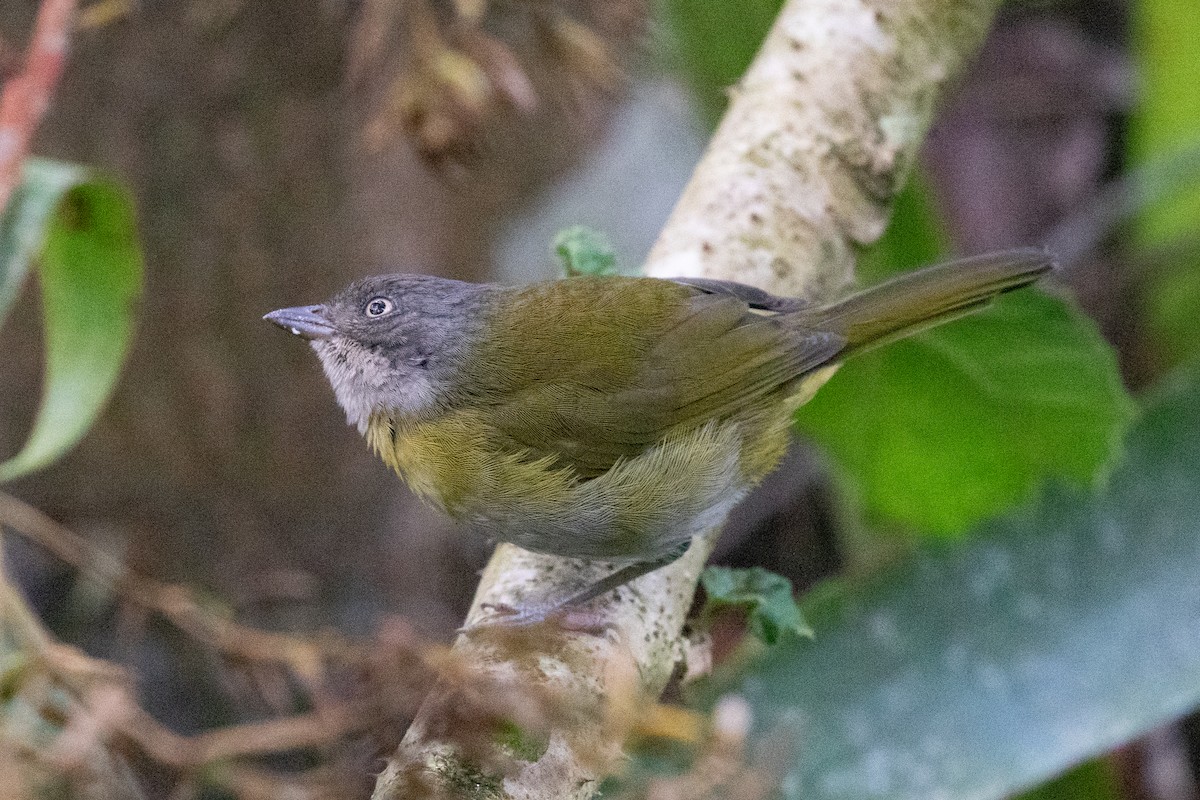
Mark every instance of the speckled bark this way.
pixel 817 140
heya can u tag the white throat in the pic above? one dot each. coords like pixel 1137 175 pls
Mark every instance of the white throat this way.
pixel 366 383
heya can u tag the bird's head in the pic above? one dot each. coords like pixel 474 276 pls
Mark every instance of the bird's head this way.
pixel 392 343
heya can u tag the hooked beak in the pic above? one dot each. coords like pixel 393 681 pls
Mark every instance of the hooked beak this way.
pixel 307 322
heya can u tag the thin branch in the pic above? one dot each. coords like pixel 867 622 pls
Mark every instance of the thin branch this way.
pixel 303 654
pixel 26 96
pixel 104 707
pixel 818 138
pixel 353 687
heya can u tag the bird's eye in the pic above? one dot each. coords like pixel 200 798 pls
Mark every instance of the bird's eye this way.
pixel 379 306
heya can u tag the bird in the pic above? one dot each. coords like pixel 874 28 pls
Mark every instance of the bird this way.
pixel 605 418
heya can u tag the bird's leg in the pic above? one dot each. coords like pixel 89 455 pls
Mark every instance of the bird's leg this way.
pixel 567 610
pixel 621 576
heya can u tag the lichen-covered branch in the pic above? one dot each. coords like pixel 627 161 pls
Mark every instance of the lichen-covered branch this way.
pixel 818 138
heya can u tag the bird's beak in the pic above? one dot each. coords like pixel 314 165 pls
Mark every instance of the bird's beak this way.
pixel 308 322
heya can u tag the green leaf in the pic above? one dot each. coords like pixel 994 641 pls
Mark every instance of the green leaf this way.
pixel 961 422
pixel 914 237
pixel 584 251
pixel 1165 121
pixel 1167 117
pixel 1172 293
pixel 23 225
pixel 773 613
pixel 1093 780
pixel 978 670
pixel 714 42
pixel 90 268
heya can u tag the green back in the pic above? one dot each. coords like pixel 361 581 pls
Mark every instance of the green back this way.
pixel 623 362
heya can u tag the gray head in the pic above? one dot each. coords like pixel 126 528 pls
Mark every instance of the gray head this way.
pixel 391 343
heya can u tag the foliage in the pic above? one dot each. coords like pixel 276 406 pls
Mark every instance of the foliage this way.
pixel 1168 120
pixel 961 422
pixel 982 668
pixel 976 670
pixel 714 43
pixel 79 229
pixel 583 251
pixel 1093 780
pixel 766 597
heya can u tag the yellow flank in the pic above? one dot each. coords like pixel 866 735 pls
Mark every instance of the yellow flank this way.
pixel 452 461
pixel 768 429
pixel 449 460
pixel 673 490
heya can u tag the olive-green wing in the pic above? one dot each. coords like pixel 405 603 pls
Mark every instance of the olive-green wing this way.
pixel 753 296
pixel 697 355
pixel 621 362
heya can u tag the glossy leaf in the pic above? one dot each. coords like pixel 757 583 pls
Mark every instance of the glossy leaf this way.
pixel 961 422
pixel 978 670
pixel 79 229
pixel 937 457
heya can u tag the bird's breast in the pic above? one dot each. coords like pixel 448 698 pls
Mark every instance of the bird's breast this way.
pixel 439 459
pixel 641 507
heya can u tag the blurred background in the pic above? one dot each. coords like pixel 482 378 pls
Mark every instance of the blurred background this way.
pixel 278 150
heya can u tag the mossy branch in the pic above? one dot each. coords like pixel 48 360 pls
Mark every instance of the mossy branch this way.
pixel 819 136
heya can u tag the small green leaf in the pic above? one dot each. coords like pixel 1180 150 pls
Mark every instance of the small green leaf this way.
pixel 24 221
pixel 981 669
pixel 914 237
pixel 584 251
pixel 90 267
pixel 1173 302
pixel 773 612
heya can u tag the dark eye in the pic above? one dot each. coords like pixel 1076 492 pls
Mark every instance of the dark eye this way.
pixel 379 306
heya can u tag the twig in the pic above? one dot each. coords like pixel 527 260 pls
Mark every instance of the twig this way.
pixel 1118 202
pixel 303 654
pixel 26 96
pixel 227 744
pixel 102 13
pixel 93 702
pixel 105 705
pixel 387 678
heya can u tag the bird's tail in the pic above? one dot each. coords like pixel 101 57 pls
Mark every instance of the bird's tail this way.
pixel 927 297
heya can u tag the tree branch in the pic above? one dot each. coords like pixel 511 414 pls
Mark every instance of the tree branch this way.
pixel 818 138
pixel 25 98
